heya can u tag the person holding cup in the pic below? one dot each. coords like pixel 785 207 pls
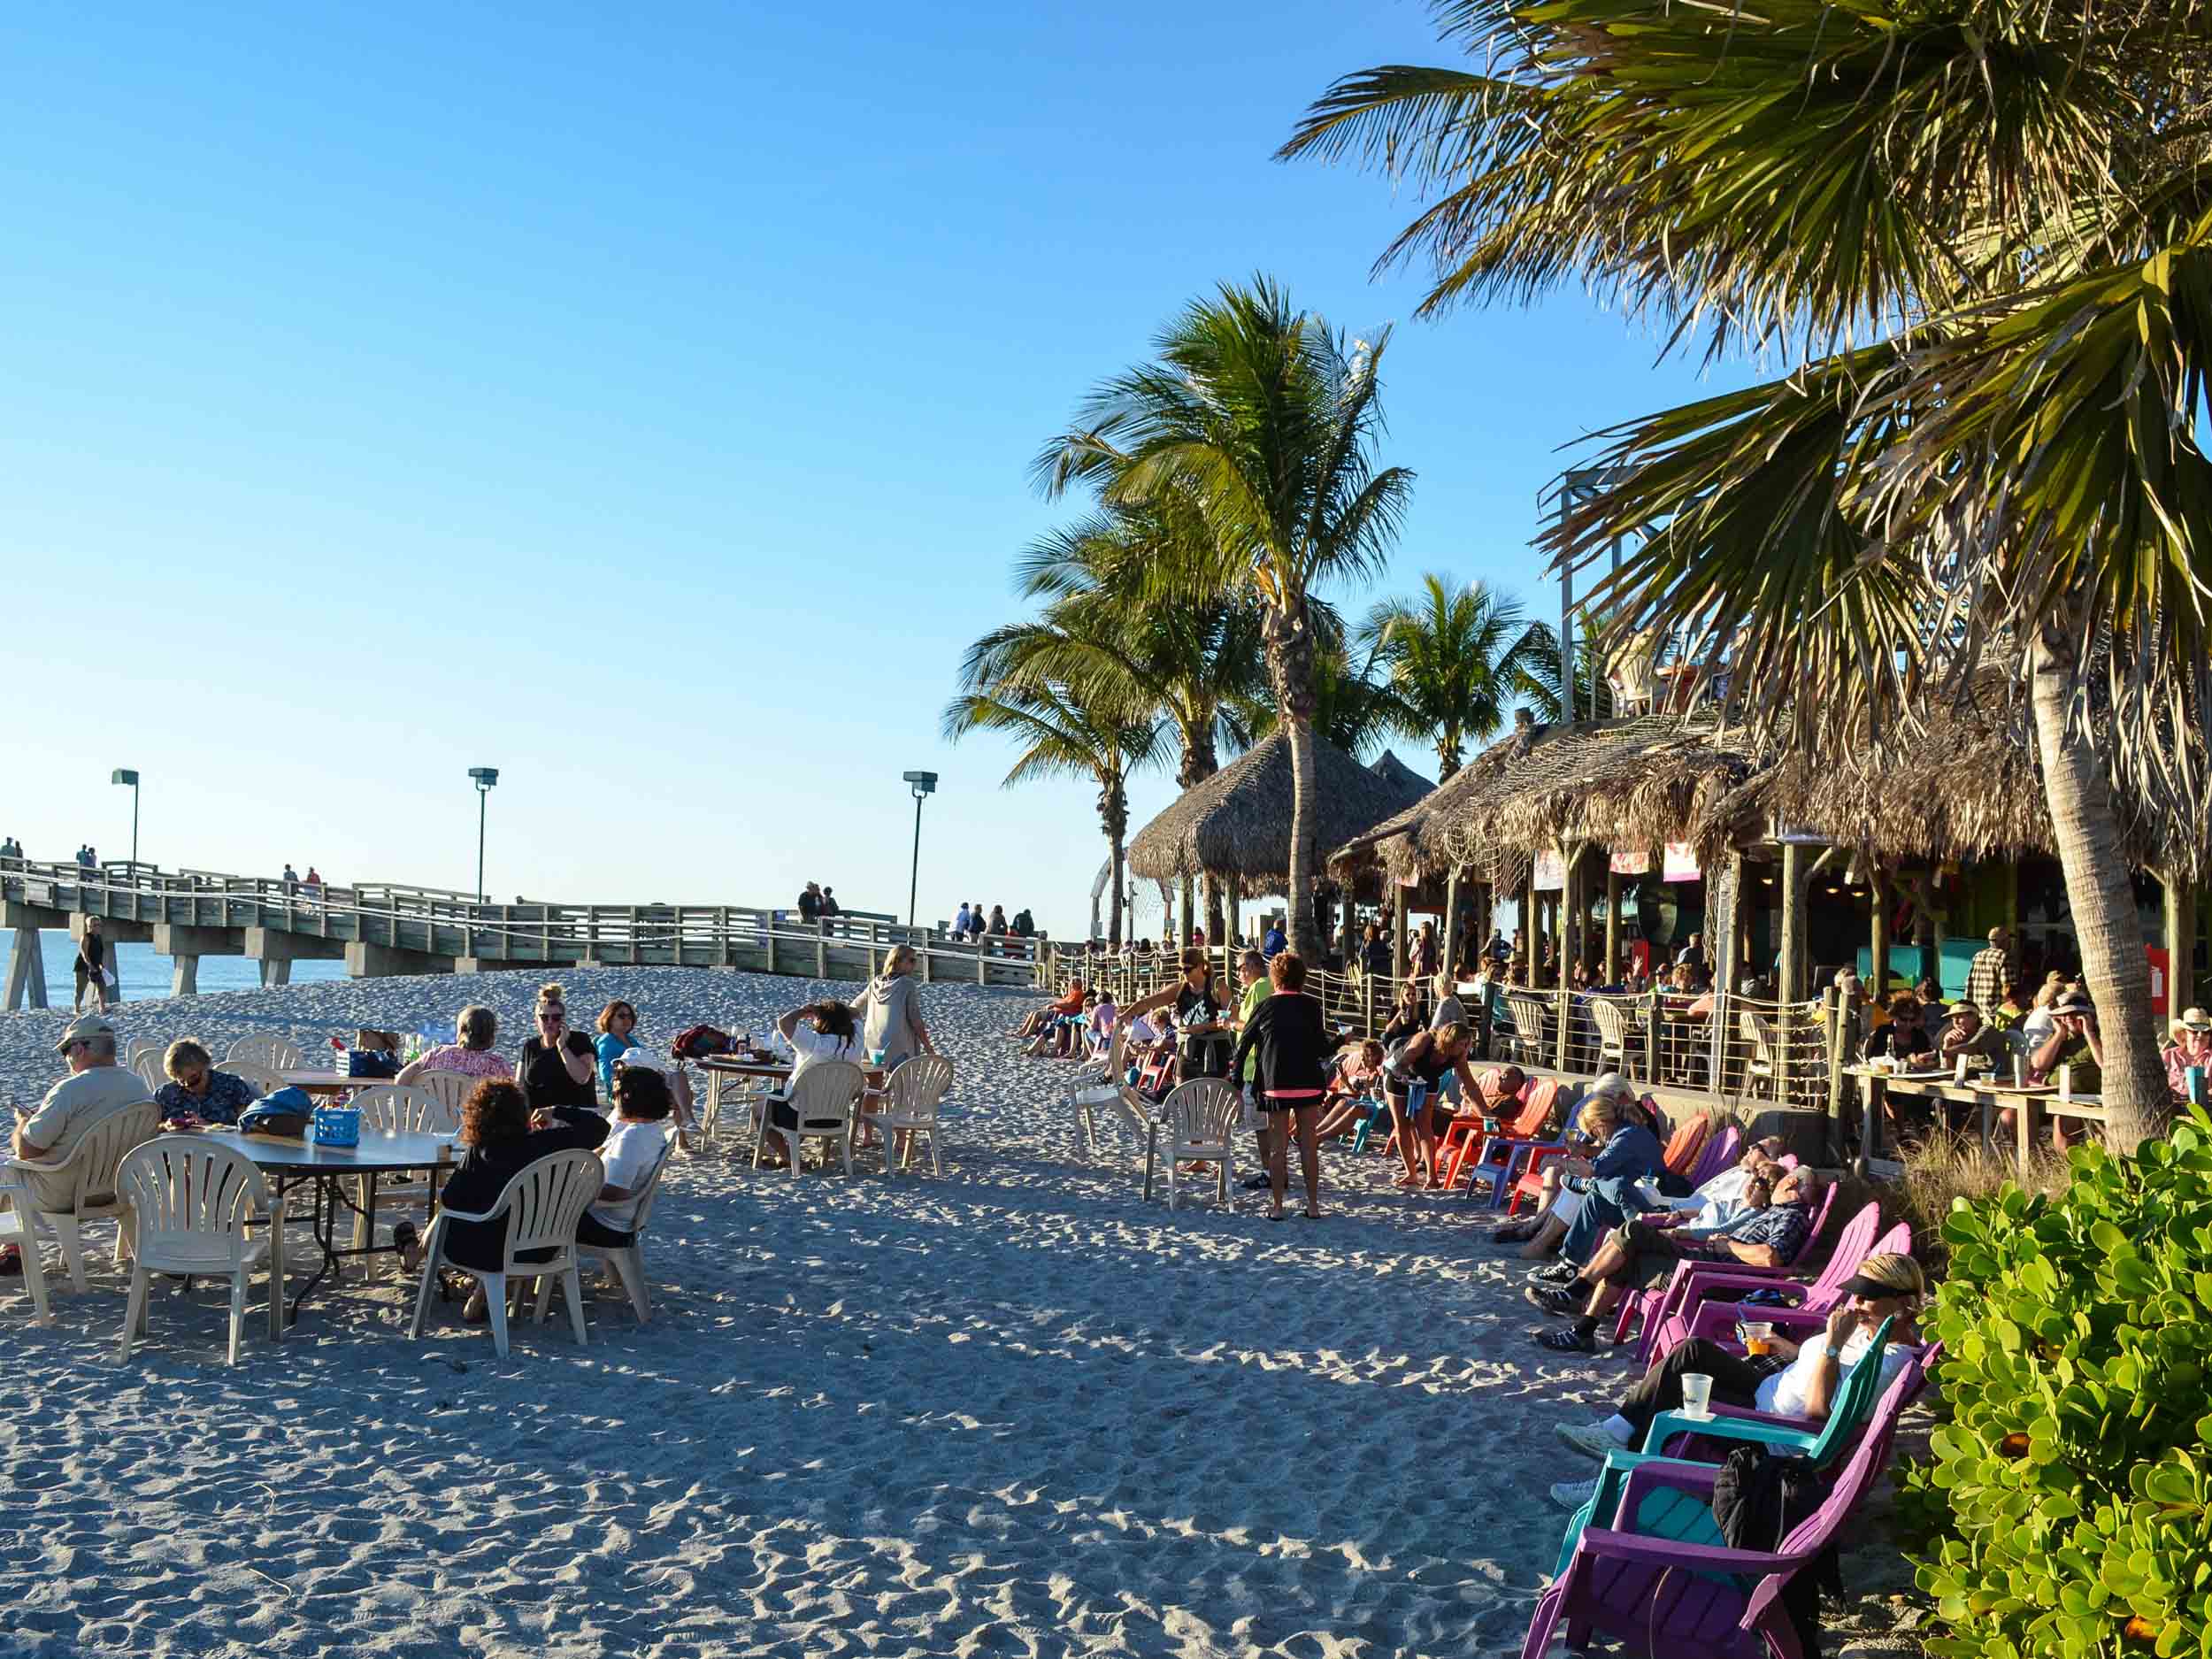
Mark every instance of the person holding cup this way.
pixel 1791 1379
pixel 2192 1047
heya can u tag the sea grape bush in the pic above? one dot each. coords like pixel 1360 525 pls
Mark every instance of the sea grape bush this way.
pixel 2078 1462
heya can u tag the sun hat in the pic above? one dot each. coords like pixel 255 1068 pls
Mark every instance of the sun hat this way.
pixel 2074 1003
pixel 1966 1005
pixel 83 1029
pixel 2196 1019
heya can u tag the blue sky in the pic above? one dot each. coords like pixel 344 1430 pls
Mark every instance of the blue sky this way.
pixel 642 402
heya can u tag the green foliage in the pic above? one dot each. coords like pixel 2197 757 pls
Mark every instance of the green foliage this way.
pixel 2078 1461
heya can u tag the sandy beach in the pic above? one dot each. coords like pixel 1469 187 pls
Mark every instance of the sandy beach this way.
pixel 1017 1412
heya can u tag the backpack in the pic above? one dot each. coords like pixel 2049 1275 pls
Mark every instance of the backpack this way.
pixel 284 1115
pixel 699 1042
pixel 1758 1501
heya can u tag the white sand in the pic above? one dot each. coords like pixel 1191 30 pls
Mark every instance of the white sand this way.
pixel 1014 1411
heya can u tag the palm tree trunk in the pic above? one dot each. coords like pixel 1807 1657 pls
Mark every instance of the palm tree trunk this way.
pixel 2107 924
pixel 1114 807
pixel 1290 665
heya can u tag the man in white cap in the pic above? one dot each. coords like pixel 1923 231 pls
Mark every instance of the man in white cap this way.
pixel 94 1088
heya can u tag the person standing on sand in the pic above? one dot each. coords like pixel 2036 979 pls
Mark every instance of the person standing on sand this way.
pixel 1288 1041
pixel 890 1012
pixel 91 966
pixel 1252 976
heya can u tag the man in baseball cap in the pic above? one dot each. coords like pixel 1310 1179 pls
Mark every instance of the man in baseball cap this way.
pixel 94 1088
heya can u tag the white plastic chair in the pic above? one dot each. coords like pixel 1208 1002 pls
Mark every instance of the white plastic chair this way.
pixel 146 1064
pixel 254 1072
pixel 90 1170
pixel 264 1049
pixel 1612 1023
pixel 911 1095
pixel 449 1089
pixel 823 1097
pixel 1530 1019
pixel 1110 1092
pixel 629 1262
pixel 402 1107
pixel 543 1204
pixel 189 1201
pixel 17 1228
pixel 1200 1118
pixel 138 1045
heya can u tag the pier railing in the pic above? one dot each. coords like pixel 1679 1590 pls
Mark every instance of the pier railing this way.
pixel 200 911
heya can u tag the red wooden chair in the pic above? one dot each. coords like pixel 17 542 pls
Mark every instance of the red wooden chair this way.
pixel 1494 1156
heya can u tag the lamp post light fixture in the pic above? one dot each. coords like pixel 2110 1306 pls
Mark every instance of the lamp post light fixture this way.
pixel 484 778
pixel 124 774
pixel 923 784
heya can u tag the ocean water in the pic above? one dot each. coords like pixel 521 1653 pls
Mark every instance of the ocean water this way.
pixel 140 974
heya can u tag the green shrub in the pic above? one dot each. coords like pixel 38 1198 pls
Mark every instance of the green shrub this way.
pixel 2077 1330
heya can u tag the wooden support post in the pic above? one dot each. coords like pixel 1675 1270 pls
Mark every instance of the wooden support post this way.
pixel 1651 1038
pixel 1878 936
pixel 1528 933
pixel 26 971
pixel 2179 909
pixel 1398 953
pixel 1832 1015
pixel 1790 977
pixel 1612 921
pixel 1451 927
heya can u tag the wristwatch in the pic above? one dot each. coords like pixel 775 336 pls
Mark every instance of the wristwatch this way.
pixel 1834 1352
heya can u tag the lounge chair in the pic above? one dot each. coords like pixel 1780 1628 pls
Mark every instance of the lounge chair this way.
pixel 1693 1281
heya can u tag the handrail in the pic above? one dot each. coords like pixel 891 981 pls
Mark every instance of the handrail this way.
pixel 117 889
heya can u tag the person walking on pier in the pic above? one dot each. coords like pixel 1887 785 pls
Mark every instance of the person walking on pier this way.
pixel 92 968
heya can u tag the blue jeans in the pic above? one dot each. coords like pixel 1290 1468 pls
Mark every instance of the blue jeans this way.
pixel 1607 1204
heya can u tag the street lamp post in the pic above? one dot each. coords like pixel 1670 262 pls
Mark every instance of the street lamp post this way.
pixel 922 783
pixel 484 778
pixel 123 775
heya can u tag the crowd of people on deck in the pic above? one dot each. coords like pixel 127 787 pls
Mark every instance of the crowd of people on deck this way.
pixel 972 924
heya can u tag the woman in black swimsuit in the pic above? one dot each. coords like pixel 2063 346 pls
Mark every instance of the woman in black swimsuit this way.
pixel 1425 1061
pixel 1204 1048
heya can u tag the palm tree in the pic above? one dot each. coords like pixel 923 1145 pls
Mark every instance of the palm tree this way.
pixel 1062 733
pixel 1458 657
pixel 1985 232
pixel 1194 658
pixel 1263 422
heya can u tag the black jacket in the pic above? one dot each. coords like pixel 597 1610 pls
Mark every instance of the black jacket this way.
pixel 1294 1044
pixel 483 1173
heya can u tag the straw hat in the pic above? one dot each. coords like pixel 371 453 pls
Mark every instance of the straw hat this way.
pixel 2195 1019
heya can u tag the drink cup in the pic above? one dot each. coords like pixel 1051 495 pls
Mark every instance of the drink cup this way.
pixel 1758 1339
pixel 1697 1394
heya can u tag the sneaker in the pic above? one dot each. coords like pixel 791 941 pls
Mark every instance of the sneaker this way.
pixel 1571 1338
pixel 1555 1299
pixel 1589 1439
pixel 1255 1183
pixel 1572 1494
pixel 1554 1273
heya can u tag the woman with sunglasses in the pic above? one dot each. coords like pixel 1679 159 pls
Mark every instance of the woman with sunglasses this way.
pixel 559 1066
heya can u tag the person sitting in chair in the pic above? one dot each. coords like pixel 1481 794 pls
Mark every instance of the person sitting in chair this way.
pixel 816 1030
pixel 1354 1083
pixel 1768 1235
pixel 500 1137
pixel 196 1092
pixel 1792 1381
pixel 631 1152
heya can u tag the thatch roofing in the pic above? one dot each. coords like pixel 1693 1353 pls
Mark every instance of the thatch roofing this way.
pixel 1235 826
pixel 1638 782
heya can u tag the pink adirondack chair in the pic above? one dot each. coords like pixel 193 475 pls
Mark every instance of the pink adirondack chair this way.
pixel 1720 1152
pixel 1667 1598
pixel 1653 1306
pixel 1716 1321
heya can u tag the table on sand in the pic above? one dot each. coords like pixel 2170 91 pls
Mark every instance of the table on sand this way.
pixel 718 1066
pixel 326 1082
pixel 289 1163
pixel 1987 1096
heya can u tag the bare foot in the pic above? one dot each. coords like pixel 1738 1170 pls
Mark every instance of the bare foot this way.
pixel 1409 1178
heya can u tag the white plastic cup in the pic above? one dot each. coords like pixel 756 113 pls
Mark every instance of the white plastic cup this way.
pixel 1697 1394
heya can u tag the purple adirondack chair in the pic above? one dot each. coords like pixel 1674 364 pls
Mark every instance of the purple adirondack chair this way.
pixel 1652 1306
pixel 1716 1321
pixel 1667 1599
pixel 1720 1152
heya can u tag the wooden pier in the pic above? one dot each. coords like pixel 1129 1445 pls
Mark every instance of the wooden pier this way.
pixel 383 928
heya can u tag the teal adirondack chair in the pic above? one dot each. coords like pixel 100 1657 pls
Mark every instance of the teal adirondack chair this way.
pixel 1667 1514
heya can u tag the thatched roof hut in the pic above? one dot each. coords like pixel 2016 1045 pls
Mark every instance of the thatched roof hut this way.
pixel 1637 782
pixel 1235 826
